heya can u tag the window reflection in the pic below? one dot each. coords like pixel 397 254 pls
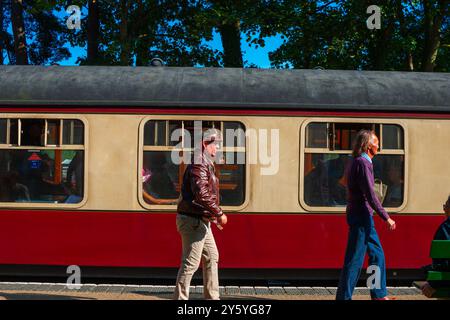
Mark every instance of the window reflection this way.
pixel 160 178
pixel 325 182
pixel 41 176
pixel 35 166
pixel 3 131
pixel 32 133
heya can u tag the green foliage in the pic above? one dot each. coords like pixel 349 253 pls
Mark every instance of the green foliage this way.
pixel 334 35
pixel 328 34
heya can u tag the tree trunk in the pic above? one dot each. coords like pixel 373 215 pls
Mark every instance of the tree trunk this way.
pixel 381 47
pixel 432 41
pixel 124 38
pixel 231 42
pixel 409 61
pixel 20 43
pixel 142 46
pixel 93 32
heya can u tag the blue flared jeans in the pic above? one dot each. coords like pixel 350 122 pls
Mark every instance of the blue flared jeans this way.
pixel 362 238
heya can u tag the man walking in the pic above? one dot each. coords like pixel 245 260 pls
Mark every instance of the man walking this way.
pixel 362 236
pixel 197 208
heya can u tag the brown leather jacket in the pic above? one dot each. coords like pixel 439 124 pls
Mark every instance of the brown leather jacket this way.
pixel 200 190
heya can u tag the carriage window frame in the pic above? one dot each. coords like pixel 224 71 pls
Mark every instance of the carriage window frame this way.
pixel 304 150
pixel 48 147
pixel 154 208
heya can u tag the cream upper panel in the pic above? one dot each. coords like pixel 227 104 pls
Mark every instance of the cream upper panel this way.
pixel 278 192
pixel 113 162
pixel 429 165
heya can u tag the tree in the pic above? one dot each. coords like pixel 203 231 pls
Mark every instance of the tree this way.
pixel 46 31
pixel 231 19
pixel 434 13
pixel 93 33
pixel 333 34
pixel 18 26
pixel 1 32
pixel 125 50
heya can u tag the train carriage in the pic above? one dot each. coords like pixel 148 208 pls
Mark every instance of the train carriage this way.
pixel 87 176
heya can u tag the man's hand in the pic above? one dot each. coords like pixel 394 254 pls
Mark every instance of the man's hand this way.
pixel 391 224
pixel 222 220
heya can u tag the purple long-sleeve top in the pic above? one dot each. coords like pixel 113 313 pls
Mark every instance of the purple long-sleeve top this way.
pixel 362 199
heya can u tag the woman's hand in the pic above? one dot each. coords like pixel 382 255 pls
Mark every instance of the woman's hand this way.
pixel 391 224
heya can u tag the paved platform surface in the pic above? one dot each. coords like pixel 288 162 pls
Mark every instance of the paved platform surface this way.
pixel 61 291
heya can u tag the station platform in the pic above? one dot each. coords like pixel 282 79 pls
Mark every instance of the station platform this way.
pixel 62 291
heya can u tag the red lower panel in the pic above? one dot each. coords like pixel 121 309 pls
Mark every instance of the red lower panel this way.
pixel 128 239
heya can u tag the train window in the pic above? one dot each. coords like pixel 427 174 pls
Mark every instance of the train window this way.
pixel 73 132
pixel 13 131
pixel 53 132
pixel 316 135
pixel 32 132
pixel 155 133
pixel 38 169
pixel 174 127
pixel 234 134
pixel 162 176
pixel 324 182
pixel 3 131
pixel 392 137
pixel 342 134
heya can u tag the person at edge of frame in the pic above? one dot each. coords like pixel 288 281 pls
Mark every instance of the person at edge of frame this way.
pixel 362 236
pixel 198 206
pixel 442 233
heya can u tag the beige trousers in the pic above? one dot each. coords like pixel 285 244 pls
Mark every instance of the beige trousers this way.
pixel 198 245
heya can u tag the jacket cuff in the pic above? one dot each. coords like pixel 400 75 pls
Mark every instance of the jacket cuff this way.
pixel 219 214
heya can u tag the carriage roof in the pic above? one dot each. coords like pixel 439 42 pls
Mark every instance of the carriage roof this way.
pixel 224 88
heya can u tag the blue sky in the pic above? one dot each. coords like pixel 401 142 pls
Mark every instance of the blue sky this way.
pixel 259 56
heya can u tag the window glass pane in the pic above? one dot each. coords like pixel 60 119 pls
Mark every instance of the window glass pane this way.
pixel 73 132
pixel 13 131
pixel 211 124
pixel 325 183
pixel 32 133
pixel 392 136
pixel 53 132
pixel 149 133
pixel 155 133
pixel 345 133
pixel 316 135
pixel 175 134
pixel 189 134
pixel 38 176
pixel 389 170
pixel 3 130
pixel 72 172
pixel 160 177
pixel 234 134
pixel 231 176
